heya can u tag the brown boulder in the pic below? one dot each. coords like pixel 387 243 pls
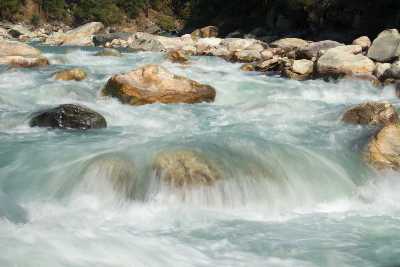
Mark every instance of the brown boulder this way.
pixel 205 32
pixel 177 56
pixel 372 113
pixel 76 74
pixel 153 83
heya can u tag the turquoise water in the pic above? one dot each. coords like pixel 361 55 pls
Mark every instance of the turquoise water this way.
pixel 295 190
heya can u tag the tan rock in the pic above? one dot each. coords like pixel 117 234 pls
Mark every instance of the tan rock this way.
pixel 303 66
pixel 14 48
pixel 371 113
pixel 247 67
pixel 24 62
pixel 268 65
pixel 364 42
pixel 205 32
pixel 177 56
pixel 153 83
pixel 81 36
pixel 267 54
pixel 288 44
pixel 75 74
pixel 246 56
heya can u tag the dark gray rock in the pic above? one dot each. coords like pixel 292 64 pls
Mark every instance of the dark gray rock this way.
pixel 69 116
pixel 102 39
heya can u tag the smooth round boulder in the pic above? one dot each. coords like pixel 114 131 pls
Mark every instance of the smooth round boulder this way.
pixel 75 74
pixel 69 116
pixel 383 151
pixel 111 173
pixel 371 113
pixel 185 168
pixel 386 46
pixel 247 67
pixel 108 52
pixel 153 83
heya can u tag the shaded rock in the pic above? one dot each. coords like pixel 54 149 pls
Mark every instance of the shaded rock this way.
pixel 153 83
pixel 371 113
pixel 268 65
pixel 337 62
pixel 380 70
pixel 205 32
pixel 76 74
pixel 386 46
pixel 81 36
pixel 102 39
pixel 177 56
pixel 397 88
pixel 111 173
pixel 69 116
pixel 235 34
pixel 108 52
pixel 383 151
pixel 247 67
pixel 185 168
pixel 393 72
pixel 19 30
pixel 364 42
pixel 288 44
pixel 312 50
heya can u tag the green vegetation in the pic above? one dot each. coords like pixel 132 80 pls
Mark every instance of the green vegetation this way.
pixel 8 8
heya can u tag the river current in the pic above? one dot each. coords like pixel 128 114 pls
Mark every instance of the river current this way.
pixel 295 192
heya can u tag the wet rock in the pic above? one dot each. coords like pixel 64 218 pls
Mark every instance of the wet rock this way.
pixel 24 62
pixel 205 32
pixel 81 36
pixel 111 173
pixel 76 74
pixel 153 83
pixel 185 168
pixel 177 56
pixel 336 62
pixel 372 113
pixel 313 50
pixel 386 46
pixel 247 67
pixel 69 116
pixel 288 44
pixel 102 39
pixel 18 54
pixel 108 52
pixel 268 65
pixel 364 42
pixel 365 77
pixel 383 151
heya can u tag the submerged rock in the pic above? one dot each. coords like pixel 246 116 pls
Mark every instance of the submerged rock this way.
pixel 185 168
pixel 372 113
pixel 248 67
pixel 383 151
pixel 76 74
pixel 153 83
pixel 111 172
pixel 81 36
pixel 69 116
pixel 177 56
pixel 108 52
pixel 386 46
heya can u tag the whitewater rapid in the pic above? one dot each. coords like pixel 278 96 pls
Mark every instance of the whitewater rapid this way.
pixel 295 190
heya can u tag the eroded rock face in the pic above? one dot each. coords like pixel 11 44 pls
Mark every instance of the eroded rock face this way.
pixel 386 46
pixel 81 36
pixel 185 168
pixel 69 116
pixel 153 83
pixel 372 113
pixel 111 173
pixel 341 61
pixel 76 74
pixel 383 151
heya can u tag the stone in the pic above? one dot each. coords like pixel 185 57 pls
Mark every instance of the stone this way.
pixel 247 56
pixel 237 44
pixel 385 47
pixel 18 30
pixel 371 113
pixel 185 169
pixel 380 70
pixel 337 62
pixel 102 39
pixel 247 67
pixel 383 151
pixel 81 36
pixel 267 54
pixel 313 50
pixel 18 54
pixel 207 46
pixel 69 116
pixel 303 66
pixel 141 41
pixel 24 62
pixel 288 44
pixel 364 42
pixel 269 65
pixel 153 83
pixel 76 74
pixel 205 32
pixel 393 72
pixel 177 56
pixel 364 77
pixel 108 52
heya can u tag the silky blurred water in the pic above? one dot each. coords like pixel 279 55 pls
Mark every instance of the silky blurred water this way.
pixel 295 191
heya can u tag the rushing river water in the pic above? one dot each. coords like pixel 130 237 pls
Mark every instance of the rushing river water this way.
pixel 295 191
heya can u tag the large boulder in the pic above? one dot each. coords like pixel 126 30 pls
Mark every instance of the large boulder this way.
pixel 363 41
pixel 69 116
pixel 288 44
pixel 102 39
pixel 205 32
pixel 386 46
pixel 371 113
pixel 153 83
pixel 18 54
pixel 75 74
pixel 383 151
pixel 141 41
pixel 185 168
pixel 313 50
pixel 81 36
pixel 342 61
